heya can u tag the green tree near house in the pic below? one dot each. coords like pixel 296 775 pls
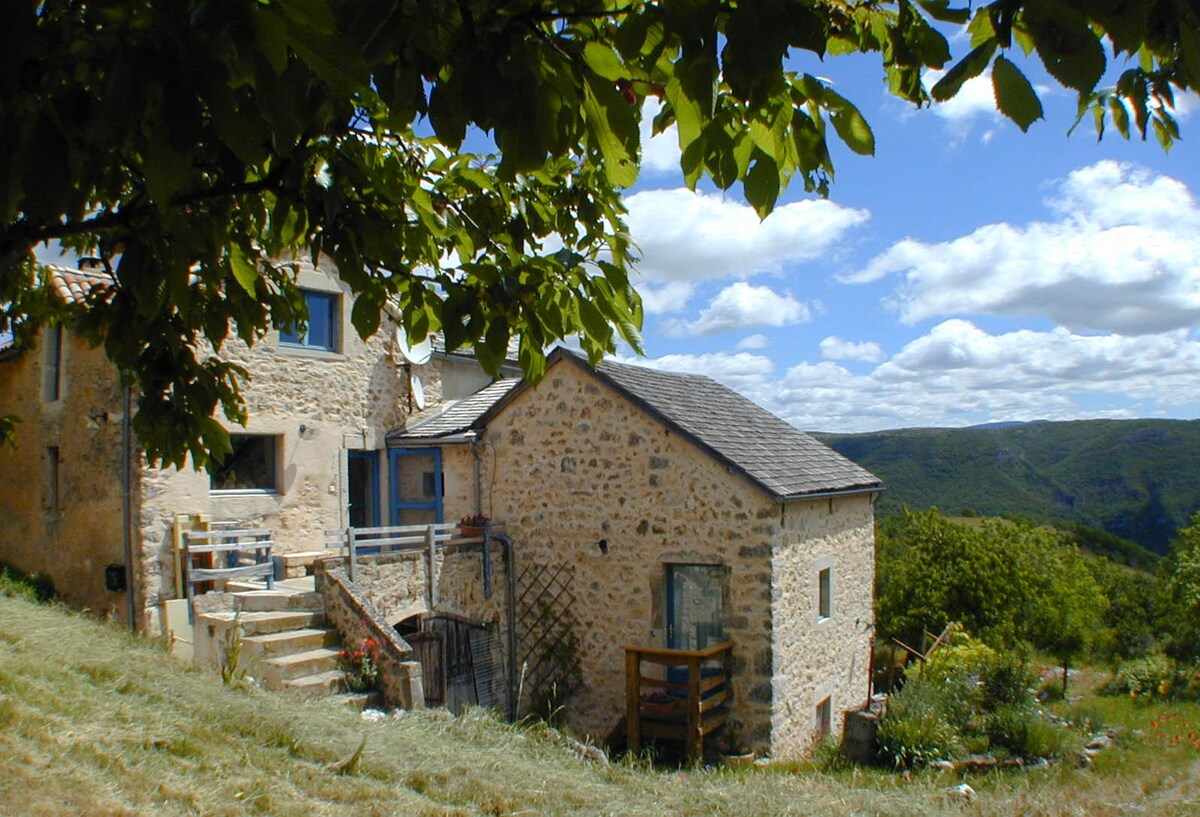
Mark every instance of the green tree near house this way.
pixel 1179 601
pixel 193 146
pixel 1005 583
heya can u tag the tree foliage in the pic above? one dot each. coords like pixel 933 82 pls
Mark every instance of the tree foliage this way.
pixel 1005 583
pixel 1179 604
pixel 196 145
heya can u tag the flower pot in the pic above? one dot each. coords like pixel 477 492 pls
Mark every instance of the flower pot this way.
pixel 735 760
pixel 471 530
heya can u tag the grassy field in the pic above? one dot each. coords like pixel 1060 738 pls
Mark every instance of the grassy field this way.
pixel 94 722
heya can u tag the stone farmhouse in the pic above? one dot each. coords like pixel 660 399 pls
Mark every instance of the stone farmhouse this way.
pixel 646 516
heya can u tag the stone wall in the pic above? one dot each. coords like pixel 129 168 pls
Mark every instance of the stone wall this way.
pixel 356 619
pixel 582 475
pixel 73 532
pixel 317 405
pixel 818 658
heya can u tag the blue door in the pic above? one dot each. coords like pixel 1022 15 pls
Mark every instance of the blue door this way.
pixel 416 477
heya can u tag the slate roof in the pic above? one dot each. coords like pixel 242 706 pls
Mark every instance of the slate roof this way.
pixel 457 417
pixel 770 451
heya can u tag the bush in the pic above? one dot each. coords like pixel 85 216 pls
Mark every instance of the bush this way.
pixel 1025 733
pixel 1155 676
pixel 1007 681
pixel 32 586
pixel 916 729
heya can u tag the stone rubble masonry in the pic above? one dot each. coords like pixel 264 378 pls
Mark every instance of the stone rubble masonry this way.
pixel 356 619
pixel 317 404
pixel 572 462
pixel 817 658
pixel 72 535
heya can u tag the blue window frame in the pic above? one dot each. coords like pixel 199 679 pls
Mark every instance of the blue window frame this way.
pixel 415 486
pixel 323 320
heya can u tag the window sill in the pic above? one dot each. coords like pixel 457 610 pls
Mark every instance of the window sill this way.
pixel 295 350
pixel 220 492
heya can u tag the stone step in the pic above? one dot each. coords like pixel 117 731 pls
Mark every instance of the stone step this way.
pixel 320 684
pixel 274 600
pixel 288 642
pixel 261 623
pixel 275 671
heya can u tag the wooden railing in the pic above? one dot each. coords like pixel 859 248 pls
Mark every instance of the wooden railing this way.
pixel 401 539
pixel 690 709
pixel 222 555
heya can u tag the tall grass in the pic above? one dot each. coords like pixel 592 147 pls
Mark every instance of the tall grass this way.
pixel 94 722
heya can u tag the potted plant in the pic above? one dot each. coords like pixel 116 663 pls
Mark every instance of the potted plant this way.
pixel 659 702
pixel 473 525
pixel 734 751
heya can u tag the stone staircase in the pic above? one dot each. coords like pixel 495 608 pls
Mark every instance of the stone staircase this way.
pixel 284 643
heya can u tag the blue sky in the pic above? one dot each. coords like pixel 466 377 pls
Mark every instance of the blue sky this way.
pixel 967 273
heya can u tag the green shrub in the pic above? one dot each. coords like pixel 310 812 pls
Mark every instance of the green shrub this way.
pixel 19 584
pixel 916 729
pixel 1154 676
pixel 1007 681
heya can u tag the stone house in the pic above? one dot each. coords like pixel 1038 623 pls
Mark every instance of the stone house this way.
pixel 312 456
pixel 666 510
pixel 678 514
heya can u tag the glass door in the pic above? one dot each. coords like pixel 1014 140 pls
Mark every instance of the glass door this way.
pixel 695 614
pixel 416 476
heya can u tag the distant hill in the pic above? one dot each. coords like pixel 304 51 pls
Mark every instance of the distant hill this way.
pixel 1138 479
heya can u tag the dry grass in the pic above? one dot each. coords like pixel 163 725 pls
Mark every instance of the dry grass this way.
pixel 94 722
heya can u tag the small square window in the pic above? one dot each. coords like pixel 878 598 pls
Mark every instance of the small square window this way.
pixel 250 466
pixel 825 593
pixel 323 320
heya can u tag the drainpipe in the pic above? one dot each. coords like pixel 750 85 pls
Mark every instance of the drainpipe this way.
pixel 477 469
pixel 510 581
pixel 127 506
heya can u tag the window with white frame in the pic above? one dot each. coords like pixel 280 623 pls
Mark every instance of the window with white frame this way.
pixel 824 589
pixel 251 466
pixel 324 321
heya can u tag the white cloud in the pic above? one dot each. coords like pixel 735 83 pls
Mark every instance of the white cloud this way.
pixel 976 99
pixel 834 348
pixel 959 374
pixel 756 341
pixel 686 236
pixel 660 153
pixel 1122 256
pixel 742 306
pixel 741 371
pixel 665 298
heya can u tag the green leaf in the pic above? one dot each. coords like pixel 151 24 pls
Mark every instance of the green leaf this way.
pixel 1120 115
pixel 1067 45
pixel 762 185
pixel 604 61
pixel 967 68
pixel 613 130
pixel 940 10
pixel 1015 96
pixel 850 125
pixel 243 269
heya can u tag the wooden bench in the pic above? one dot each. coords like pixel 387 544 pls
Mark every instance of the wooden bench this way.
pixel 218 556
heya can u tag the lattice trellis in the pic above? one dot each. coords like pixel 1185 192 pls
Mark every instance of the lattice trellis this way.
pixel 548 645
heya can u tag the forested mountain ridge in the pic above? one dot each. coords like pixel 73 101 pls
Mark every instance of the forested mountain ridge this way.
pixel 1139 479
